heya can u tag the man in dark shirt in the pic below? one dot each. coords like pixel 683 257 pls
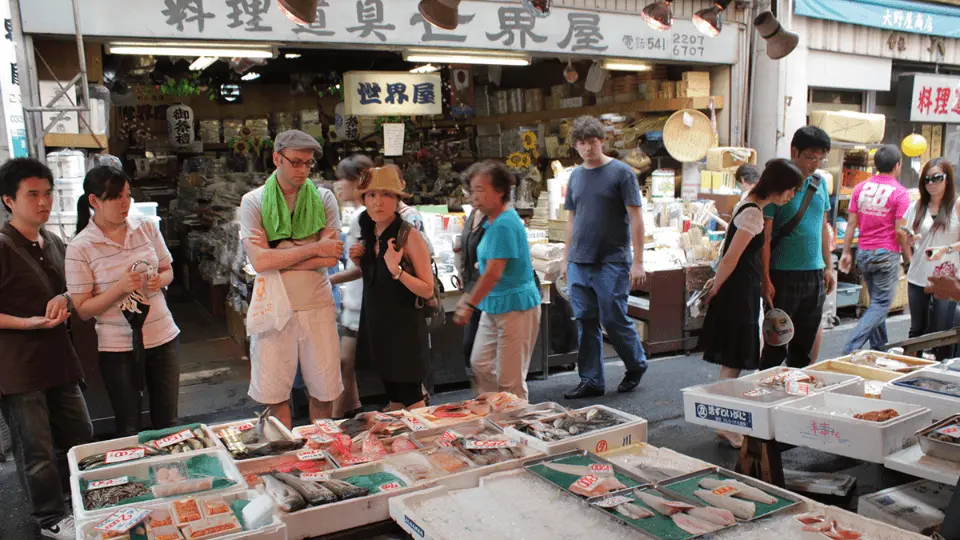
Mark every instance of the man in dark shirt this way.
pixel 39 389
pixel 605 217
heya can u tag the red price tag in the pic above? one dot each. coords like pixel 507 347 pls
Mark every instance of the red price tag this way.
pixel 123 520
pixel 490 444
pixel 246 426
pixel 447 438
pixel 119 456
pixel 390 486
pixel 725 490
pixel 311 455
pixel 795 388
pixel 950 431
pixel 355 461
pixel 175 438
pixel 601 469
pixel 113 482
pixel 414 423
pixel 588 482
pixel 315 476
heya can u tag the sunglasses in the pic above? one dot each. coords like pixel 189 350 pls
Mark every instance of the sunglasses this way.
pixel 935 179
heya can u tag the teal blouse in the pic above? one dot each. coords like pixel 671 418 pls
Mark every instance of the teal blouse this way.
pixel 505 238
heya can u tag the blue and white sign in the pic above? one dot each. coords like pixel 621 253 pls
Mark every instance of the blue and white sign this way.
pixel 723 415
pixel 924 18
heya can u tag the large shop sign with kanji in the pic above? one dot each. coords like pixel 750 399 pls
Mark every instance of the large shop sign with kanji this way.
pixel 484 25
pixel 392 93
pixel 925 18
pixel 935 98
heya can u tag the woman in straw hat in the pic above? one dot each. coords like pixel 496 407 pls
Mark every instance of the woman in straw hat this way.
pixel 394 277
pixel 731 333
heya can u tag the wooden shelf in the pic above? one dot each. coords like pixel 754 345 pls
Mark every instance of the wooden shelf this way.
pixel 639 106
pixel 73 140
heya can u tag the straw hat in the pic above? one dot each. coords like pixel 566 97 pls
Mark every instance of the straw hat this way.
pixel 383 179
pixel 688 134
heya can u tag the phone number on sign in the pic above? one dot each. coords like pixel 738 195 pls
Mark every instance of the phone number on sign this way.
pixel 688 45
pixel 684 45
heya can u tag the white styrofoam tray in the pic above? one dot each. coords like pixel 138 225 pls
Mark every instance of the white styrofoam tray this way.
pixel 917 507
pixel 141 469
pixel 632 431
pixel 276 530
pixel 501 419
pixel 798 424
pixel 78 453
pixel 874 379
pixel 343 515
pixel 841 383
pixel 940 405
pixel 705 405
pixel 914 462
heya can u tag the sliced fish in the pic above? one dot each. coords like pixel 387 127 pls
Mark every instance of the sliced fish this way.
pixel 717 516
pixel 693 525
pixel 313 493
pixel 577 470
pixel 285 496
pixel 664 506
pixel 633 511
pixel 744 491
pixel 744 510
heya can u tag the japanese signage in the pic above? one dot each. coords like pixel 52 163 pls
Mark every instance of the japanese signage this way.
pixel 10 87
pixel 935 98
pixel 494 26
pixel 724 415
pixel 901 15
pixel 392 93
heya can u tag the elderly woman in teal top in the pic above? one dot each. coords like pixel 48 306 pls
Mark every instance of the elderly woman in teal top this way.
pixel 506 291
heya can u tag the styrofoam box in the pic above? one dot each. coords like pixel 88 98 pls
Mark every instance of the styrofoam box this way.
pixel 79 453
pixel 940 405
pixel 343 515
pixel 840 383
pixel 470 478
pixel 739 415
pixel 276 530
pixel 63 225
pixel 916 507
pixel 65 197
pixel 872 377
pixel 141 469
pixel 601 440
pixel 797 424
pixel 69 122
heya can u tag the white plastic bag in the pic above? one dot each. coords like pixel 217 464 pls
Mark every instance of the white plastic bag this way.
pixel 269 305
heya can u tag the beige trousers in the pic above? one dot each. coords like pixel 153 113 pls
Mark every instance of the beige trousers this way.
pixel 502 350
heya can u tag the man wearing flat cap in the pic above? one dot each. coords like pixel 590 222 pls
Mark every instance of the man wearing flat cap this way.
pixel 292 226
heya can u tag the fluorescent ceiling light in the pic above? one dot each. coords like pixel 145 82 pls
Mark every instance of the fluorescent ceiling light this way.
pixel 202 63
pixel 292 55
pixel 183 49
pixel 250 76
pixel 441 58
pixel 625 65
pixel 429 68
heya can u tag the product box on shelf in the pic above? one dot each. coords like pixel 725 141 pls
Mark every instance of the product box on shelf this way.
pixel 734 405
pixel 826 422
pixel 633 429
pixel 120 451
pixel 916 507
pixel 932 388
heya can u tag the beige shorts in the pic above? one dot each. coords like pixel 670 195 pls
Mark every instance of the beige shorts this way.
pixel 309 340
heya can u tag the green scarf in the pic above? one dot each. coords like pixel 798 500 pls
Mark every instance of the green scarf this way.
pixel 309 216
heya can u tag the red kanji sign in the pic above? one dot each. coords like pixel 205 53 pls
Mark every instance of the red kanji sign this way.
pixel 935 99
pixel 926 100
pixel 943 99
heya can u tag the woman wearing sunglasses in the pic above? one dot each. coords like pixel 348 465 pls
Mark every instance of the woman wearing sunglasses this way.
pixel 935 222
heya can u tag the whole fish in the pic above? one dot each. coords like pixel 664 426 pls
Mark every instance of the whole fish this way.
pixel 664 506
pixel 577 470
pixel 313 493
pixel 285 496
pixel 633 511
pixel 744 510
pixel 693 525
pixel 717 516
pixel 744 491
pixel 344 490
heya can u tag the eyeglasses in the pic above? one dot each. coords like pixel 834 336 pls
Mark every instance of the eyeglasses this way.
pixel 813 158
pixel 298 163
pixel 935 179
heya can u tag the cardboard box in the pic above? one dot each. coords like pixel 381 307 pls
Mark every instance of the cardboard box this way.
pixel 698 76
pixel 69 122
pixel 916 507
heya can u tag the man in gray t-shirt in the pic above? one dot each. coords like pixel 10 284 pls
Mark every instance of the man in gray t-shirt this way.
pixel 605 214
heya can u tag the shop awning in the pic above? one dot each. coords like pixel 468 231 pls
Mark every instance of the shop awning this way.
pixel 898 15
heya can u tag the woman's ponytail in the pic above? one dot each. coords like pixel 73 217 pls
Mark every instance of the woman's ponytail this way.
pixel 83 211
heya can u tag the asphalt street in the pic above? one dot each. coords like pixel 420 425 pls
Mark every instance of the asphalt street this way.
pixel 658 399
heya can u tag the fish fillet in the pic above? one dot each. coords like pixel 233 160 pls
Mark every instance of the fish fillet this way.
pixel 717 516
pixel 693 525
pixel 633 511
pixel 664 506
pixel 744 510
pixel 577 470
pixel 744 491
pixel 602 487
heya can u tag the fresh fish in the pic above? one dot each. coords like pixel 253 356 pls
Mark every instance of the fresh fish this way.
pixel 276 447
pixel 664 506
pixel 313 493
pixel 344 490
pixel 744 491
pixel 744 510
pixel 717 516
pixel 577 470
pixel 285 496
pixel 693 525
pixel 633 511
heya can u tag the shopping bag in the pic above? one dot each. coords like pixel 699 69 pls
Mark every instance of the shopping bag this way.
pixel 269 305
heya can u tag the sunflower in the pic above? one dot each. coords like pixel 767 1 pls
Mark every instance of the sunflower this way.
pixel 529 140
pixel 245 131
pixel 241 147
pixel 516 160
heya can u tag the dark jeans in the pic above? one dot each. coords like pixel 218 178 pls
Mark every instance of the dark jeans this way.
pixel 40 422
pixel 470 334
pixel 881 272
pixel 122 381
pixel 800 293
pixel 928 314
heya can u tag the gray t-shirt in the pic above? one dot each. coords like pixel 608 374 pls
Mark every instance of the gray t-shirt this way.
pixel 307 289
pixel 601 226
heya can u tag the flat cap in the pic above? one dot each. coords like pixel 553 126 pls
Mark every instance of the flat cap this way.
pixel 296 139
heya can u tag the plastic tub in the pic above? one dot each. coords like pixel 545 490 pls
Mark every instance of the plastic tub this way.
pixel 78 453
pixel 848 294
pixel 937 448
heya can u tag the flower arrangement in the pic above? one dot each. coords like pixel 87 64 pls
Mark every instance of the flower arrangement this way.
pixel 246 143
pixel 523 160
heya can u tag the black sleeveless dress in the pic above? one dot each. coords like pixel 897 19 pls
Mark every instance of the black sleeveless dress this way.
pixel 731 328
pixel 391 326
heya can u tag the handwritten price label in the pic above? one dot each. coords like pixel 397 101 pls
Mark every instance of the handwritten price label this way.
pixel 311 455
pixel 795 388
pixel 328 426
pixel 757 392
pixel 950 431
pixel 315 476
pixel 119 456
pixel 488 445
pixel 725 490
pixel 601 469
pixel 175 438
pixel 390 486
pixel 588 482
pixel 123 520
pixel 246 426
pixel 611 502
pixel 322 438
pixel 414 423
pixel 113 482
pixel 355 461
pixel 380 417
pixel 447 438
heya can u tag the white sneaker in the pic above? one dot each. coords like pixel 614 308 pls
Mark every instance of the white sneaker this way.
pixel 64 530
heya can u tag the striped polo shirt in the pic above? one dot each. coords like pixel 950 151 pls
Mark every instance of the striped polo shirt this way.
pixel 94 262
